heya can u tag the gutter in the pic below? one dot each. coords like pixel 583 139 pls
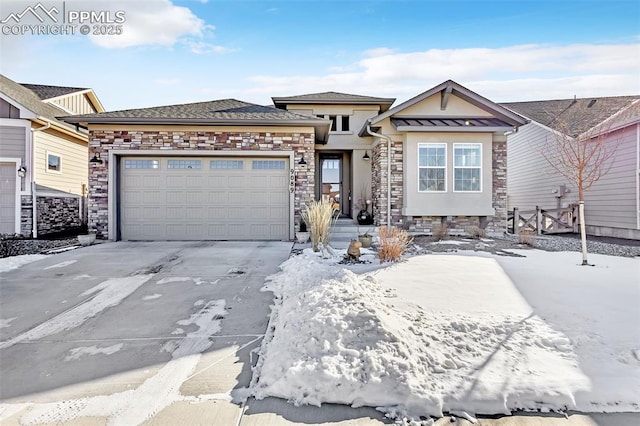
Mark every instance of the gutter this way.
pixel 381 136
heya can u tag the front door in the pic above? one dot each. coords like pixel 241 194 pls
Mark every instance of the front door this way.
pixel 334 182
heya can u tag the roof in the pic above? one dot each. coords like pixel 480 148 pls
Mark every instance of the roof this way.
pixel 333 98
pixel 29 100
pixel 451 124
pixel 451 87
pixel 217 112
pixel 585 113
pixel 48 92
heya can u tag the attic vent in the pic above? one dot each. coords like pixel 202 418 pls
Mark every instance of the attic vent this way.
pixel 591 102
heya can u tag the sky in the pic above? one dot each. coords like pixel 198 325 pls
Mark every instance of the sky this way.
pixel 175 51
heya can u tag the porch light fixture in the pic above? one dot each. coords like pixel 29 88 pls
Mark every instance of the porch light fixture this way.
pixel 96 159
pixel 22 171
pixel 366 157
pixel 302 161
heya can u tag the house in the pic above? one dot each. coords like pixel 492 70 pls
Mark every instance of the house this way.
pixel 229 169
pixel 43 161
pixel 612 204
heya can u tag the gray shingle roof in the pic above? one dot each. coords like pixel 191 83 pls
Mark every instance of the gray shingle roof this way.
pixel 48 92
pixel 211 111
pixel 333 98
pixel 584 113
pixel 31 101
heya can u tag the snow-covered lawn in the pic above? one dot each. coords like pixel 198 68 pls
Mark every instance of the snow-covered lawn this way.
pixel 448 333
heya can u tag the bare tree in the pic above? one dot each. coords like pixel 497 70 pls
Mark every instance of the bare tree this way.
pixel 581 149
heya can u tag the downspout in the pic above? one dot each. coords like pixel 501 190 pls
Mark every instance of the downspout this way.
pixel 380 135
pixel 34 198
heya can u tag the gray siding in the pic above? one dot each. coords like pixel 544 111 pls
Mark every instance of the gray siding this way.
pixel 12 142
pixel 611 202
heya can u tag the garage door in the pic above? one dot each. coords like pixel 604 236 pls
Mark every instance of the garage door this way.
pixel 7 198
pixel 204 198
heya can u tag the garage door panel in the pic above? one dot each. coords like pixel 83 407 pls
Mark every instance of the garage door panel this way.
pixel 231 201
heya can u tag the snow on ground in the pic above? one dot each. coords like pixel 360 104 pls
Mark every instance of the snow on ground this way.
pixel 441 333
pixel 14 262
pixel 77 353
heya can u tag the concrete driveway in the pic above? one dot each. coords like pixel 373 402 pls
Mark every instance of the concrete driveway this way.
pixel 156 333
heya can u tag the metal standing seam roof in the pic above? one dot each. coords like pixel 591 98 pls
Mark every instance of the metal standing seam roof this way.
pixel 450 122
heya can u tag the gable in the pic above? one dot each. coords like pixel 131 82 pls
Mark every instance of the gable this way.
pixel 430 107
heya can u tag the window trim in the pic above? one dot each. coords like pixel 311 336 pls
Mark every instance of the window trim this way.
pixel 445 167
pixel 186 161
pixel 46 162
pixel 453 158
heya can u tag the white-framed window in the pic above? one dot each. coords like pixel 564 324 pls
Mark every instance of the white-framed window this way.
pixel 432 167
pixel 141 164
pixel 54 162
pixel 467 167
pixel 184 164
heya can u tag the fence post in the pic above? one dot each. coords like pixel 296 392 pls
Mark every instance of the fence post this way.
pixel 538 221
pixel 516 221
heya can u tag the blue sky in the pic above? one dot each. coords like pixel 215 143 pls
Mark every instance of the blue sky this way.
pixel 187 51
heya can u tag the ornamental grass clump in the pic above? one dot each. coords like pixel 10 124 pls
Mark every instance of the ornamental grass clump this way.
pixel 394 242
pixel 319 216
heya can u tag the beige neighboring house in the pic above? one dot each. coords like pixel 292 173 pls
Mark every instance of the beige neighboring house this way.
pixel 43 161
pixel 231 170
pixel 612 205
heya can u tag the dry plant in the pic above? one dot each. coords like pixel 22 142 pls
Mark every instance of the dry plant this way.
pixel 441 231
pixel 476 232
pixel 582 148
pixel 319 216
pixel 393 243
pixel 526 237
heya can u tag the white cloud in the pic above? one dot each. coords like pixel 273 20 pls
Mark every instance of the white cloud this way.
pixel 155 22
pixel 201 47
pixel 510 73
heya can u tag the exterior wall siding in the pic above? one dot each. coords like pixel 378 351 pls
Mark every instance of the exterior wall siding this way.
pixel 13 142
pixel 609 203
pixel 74 162
pixel 103 141
pixel 77 103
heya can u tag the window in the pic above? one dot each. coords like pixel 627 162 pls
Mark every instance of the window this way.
pixel 183 164
pixel 432 167
pixel 467 167
pixel 345 123
pixel 268 164
pixel 141 164
pixel 226 164
pixel 54 163
pixel 334 124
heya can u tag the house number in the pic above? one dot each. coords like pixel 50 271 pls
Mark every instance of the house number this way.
pixel 292 181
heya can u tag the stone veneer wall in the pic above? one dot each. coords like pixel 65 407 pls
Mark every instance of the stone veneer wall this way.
pixel 102 141
pixel 57 214
pixel 379 183
pixel 26 215
pixel 459 225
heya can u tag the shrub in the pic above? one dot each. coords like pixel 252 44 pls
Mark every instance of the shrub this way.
pixel 319 216
pixel 393 243
pixel 441 232
pixel 527 237
pixel 476 232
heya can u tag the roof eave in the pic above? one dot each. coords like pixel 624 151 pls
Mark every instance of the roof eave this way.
pixel 383 102
pixel 190 121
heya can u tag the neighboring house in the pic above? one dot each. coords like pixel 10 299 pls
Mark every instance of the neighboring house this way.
pixel 612 205
pixel 43 161
pixel 232 170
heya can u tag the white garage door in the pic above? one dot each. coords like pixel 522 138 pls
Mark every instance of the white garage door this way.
pixel 204 198
pixel 7 198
